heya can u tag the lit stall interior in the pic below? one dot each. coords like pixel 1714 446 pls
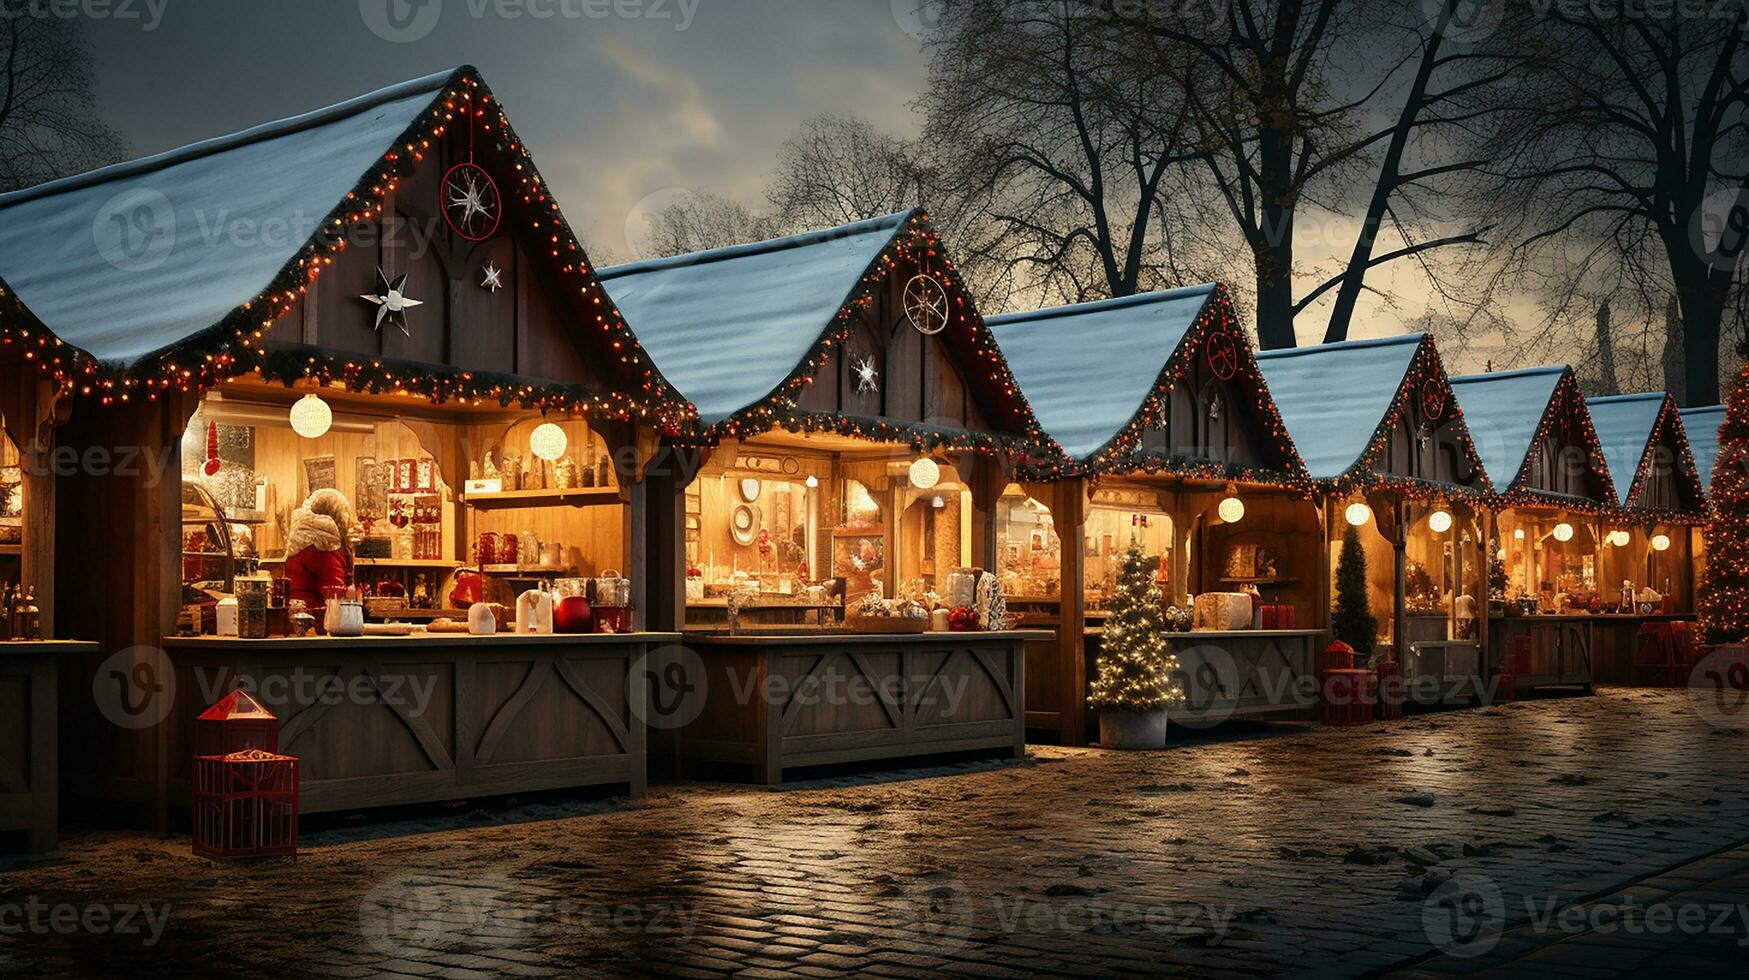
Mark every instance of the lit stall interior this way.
pixel 1444 582
pixel 452 506
pixel 796 530
pixel 11 511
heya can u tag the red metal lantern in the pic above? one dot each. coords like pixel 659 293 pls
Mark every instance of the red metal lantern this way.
pixel 245 804
pixel 236 723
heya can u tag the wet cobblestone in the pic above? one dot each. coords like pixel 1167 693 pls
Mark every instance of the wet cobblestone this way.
pixel 1310 851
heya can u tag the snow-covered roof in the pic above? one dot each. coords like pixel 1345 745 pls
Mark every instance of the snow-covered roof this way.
pixel 1702 425
pixel 1504 410
pixel 727 326
pixel 1334 396
pixel 1087 369
pixel 135 258
pixel 1626 426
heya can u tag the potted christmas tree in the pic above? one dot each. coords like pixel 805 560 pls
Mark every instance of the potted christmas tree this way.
pixel 1134 684
pixel 1724 585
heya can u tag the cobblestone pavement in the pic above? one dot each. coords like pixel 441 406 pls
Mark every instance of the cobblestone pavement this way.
pixel 1406 845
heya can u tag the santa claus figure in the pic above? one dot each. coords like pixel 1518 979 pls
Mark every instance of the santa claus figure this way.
pixel 318 555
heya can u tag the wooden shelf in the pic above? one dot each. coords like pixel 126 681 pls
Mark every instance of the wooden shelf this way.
pixel 388 562
pixel 1255 580
pixel 575 497
pixel 851 532
pixel 11 549
pixel 533 571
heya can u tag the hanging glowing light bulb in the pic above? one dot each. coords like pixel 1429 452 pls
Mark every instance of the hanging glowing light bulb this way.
pixel 311 417
pixel 1660 542
pixel 1619 538
pixel 1358 513
pixel 1231 508
pixel 1439 521
pixel 1563 532
pixel 547 441
pixel 812 481
pixel 1518 534
pixel 925 473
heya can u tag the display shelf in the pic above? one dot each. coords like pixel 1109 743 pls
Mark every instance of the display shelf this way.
pixel 559 571
pixel 1258 580
pixel 853 532
pixel 574 497
pixel 443 563
pixel 11 549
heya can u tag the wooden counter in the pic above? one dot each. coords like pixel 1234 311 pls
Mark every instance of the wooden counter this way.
pixel 775 701
pixel 29 741
pixel 1560 648
pixel 379 721
pixel 1613 638
pixel 1239 673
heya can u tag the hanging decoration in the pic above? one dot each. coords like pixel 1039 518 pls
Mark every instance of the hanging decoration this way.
pixel 491 277
pixel 212 464
pixel 1563 532
pixel 1222 355
pixel 1231 509
pixel 867 377
pixel 471 205
pixel 392 301
pixel 1432 400
pixel 925 473
pixel 1439 521
pixel 926 304
pixel 311 417
pixel 1357 514
pixel 547 441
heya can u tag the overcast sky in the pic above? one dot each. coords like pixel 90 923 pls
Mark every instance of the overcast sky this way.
pixel 620 101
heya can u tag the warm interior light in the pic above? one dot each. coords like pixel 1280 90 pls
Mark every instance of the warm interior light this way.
pixel 925 473
pixel 1518 534
pixel 547 441
pixel 1619 538
pixel 1231 509
pixel 311 417
pixel 1660 542
pixel 1501 554
pixel 812 481
pixel 1439 521
pixel 1358 513
pixel 1563 532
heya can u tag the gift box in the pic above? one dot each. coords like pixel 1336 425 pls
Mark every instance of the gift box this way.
pixel 1278 616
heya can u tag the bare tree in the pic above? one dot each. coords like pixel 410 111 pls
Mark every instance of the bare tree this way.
pixel 48 122
pixel 1062 136
pixel 696 222
pixel 1626 156
pixel 836 169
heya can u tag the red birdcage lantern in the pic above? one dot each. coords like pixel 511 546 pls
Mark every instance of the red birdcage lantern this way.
pixel 245 804
pixel 236 723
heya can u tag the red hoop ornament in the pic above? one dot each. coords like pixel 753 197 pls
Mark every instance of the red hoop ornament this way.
pixel 467 187
pixel 1432 401
pixel 1222 356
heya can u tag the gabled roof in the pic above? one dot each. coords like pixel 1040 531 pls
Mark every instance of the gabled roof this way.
pixel 728 325
pixel 1507 409
pixel 1334 397
pixel 168 270
pixel 1088 369
pixel 742 331
pixel 132 259
pixel 1702 425
pixel 1628 431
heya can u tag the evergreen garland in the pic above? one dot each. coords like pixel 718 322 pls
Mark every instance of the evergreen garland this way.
pixel 1135 666
pixel 1724 586
pixel 1353 622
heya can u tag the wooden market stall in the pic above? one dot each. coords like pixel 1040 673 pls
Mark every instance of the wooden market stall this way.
pixel 1380 432
pixel 1548 519
pixel 1650 544
pixel 1701 427
pixel 396 312
pixel 1174 444
pixel 857 424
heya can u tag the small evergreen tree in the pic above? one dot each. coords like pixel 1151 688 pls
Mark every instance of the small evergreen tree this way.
pixel 1353 621
pixel 1135 666
pixel 1724 585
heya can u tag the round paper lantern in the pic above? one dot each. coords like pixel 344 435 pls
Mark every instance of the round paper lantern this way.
pixel 1358 514
pixel 311 417
pixel 1439 521
pixel 547 441
pixel 1231 509
pixel 1619 538
pixel 1563 532
pixel 925 473
pixel 1660 542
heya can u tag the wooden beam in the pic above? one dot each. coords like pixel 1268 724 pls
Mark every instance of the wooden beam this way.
pixel 1069 505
